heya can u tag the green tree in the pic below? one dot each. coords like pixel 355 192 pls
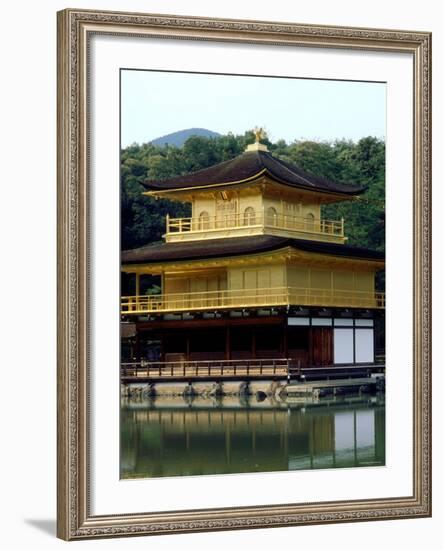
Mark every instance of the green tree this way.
pixel 362 163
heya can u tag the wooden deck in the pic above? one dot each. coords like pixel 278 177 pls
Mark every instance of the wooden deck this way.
pixel 254 369
pixel 330 387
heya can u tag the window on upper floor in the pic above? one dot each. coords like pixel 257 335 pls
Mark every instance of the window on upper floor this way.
pixel 271 216
pixel 203 220
pixel 310 219
pixel 249 216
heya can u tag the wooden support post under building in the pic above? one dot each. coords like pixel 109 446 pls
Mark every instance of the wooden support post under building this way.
pixel 137 348
pixel 228 343
pixel 285 338
pixel 188 348
pixel 137 288
pixel 311 348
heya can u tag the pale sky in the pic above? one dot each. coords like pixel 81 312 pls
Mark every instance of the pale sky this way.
pixel 157 103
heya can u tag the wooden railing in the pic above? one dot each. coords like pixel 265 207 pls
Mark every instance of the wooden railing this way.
pixel 202 369
pixel 257 297
pixel 232 368
pixel 259 220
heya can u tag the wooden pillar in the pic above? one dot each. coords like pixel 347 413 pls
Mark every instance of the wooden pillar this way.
pixel 285 338
pixel 311 347
pixel 188 347
pixel 137 347
pixel 228 343
pixel 162 347
pixel 137 284
pixel 137 288
pixel 132 349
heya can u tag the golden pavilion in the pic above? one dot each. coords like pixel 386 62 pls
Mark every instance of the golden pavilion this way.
pixel 255 274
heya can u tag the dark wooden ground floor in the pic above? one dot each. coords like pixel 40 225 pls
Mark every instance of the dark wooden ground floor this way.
pixel 307 341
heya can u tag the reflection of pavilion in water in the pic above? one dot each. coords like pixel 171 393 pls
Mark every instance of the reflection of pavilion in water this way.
pixel 193 440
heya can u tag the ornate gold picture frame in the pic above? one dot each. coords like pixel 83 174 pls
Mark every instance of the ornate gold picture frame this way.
pixel 76 519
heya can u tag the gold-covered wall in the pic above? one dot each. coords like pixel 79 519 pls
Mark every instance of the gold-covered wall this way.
pixel 270 276
pixel 203 281
pixel 291 207
pixel 219 205
pixel 255 201
pixel 257 277
pixel 333 278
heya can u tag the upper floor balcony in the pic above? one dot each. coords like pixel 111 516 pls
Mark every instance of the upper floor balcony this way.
pixel 251 222
pixel 247 298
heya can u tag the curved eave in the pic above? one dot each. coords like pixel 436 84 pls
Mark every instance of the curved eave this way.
pixel 151 191
pixel 281 248
pixel 287 253
pixel 160 191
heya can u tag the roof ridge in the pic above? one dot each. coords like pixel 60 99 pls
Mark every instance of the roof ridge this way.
pixel 245 167
pixel 189 173
pixel 290 170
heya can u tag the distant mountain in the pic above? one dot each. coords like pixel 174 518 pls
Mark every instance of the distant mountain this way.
pixel 177 139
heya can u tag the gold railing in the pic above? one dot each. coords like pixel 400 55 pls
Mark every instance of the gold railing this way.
pixel 257 297
pixel 203 224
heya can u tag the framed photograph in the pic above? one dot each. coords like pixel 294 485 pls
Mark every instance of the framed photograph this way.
pixel 243 274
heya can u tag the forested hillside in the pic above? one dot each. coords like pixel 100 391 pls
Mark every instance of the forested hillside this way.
pixel 177 139
pixel 362 163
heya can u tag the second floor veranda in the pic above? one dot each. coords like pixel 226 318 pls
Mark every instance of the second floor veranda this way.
pixel 250 298
pixel 251 222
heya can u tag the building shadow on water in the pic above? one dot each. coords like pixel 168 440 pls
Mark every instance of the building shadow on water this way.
pixel 169 436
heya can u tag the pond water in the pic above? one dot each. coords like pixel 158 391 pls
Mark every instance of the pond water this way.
pixel 175 437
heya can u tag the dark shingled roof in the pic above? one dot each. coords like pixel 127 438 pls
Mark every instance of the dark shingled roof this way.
pixel 238 246
pixel 250 165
